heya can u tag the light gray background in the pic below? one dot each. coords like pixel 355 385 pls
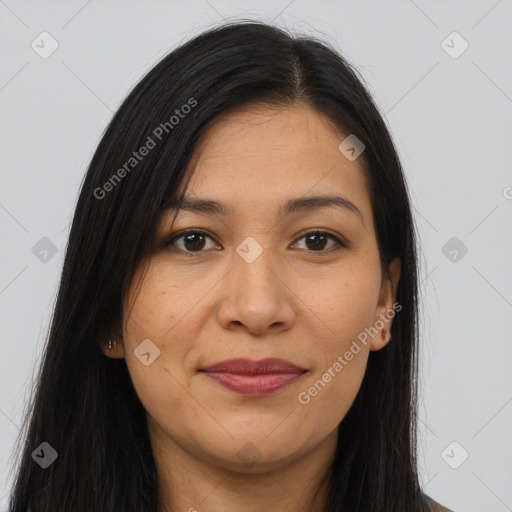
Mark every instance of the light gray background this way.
pixel 450 118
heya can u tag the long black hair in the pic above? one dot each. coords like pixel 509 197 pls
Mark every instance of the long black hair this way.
pixel 84 404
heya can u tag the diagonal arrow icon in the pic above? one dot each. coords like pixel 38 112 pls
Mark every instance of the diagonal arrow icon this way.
pixel 45 455
pixel 147 352
pixel 351 147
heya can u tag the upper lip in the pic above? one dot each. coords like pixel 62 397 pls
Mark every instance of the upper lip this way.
pixel 248 367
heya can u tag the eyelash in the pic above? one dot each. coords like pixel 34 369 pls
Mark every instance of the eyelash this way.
pixel 170 240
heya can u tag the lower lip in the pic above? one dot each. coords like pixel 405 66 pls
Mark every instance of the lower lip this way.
pixel 254 385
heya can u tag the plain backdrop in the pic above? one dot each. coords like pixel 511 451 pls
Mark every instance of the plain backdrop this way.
pixel 447 99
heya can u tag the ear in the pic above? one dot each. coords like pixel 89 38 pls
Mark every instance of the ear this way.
pixel 385 310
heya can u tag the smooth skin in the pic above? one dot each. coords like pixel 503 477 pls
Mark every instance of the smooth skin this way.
pixel 302 299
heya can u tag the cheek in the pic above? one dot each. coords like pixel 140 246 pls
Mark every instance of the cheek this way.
pixel 345 303
pixel 330 391
pixel 162 304
pixel 155 311
pixel 167 307
pixel 340 306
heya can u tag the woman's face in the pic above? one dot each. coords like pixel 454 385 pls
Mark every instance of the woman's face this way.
pixel 261 281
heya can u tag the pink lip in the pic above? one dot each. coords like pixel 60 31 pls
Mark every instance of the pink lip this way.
pixel 254 378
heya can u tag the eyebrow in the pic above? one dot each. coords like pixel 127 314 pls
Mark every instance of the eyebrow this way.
pixel 299 204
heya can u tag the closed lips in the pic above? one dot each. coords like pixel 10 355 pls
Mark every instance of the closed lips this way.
pixel 248 367
pixel 254 378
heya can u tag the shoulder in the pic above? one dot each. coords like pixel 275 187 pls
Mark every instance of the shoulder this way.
pixel 436 507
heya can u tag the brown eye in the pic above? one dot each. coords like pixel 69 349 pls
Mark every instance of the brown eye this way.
pixel 196 241
pixel 316 241
pixel 189 241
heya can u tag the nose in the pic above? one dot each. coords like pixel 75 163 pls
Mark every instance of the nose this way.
pixel 256 298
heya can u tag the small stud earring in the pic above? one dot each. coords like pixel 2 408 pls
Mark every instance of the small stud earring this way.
pixel 384 331
pixel 110 344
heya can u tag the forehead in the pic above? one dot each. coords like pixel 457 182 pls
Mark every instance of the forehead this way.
pixel 266 154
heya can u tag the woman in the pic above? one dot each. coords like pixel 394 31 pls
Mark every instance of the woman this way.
pixel 236 324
